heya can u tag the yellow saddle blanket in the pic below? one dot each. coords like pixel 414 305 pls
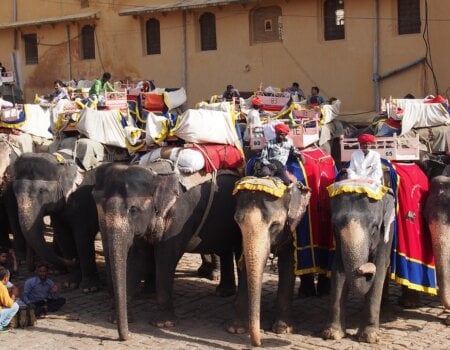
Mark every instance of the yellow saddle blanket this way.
pixel 265 184
pixel 368 187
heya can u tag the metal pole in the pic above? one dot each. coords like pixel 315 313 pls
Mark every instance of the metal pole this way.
pixel 69 52
pixel 376 49
pixel 184 54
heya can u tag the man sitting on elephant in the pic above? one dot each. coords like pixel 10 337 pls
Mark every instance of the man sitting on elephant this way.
pixel 275 154
pixel 365 163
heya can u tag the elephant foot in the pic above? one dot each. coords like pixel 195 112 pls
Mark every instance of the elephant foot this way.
pixel 165 320
pixel 333 333
pixel 282 327
pixel 237 327
pixel 368 335
pixel 88 290
pixel 90 286
pixel 409 298
pixel 70 285
pixel 447 321
pixel 225 291
pixel 207 270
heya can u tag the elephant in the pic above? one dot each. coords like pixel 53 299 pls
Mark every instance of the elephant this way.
pixel 44 186
pixel 267 222
pixel 363 231
pixel 436 214
pixel 134 202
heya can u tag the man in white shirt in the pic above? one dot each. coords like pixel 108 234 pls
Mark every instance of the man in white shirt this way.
pixel 253 117
pixel 365 163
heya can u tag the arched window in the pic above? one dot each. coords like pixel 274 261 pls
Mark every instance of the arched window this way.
pixel 334 19
pixel 208 31
pixel 408 16
pixel 88 42
pixel 266 24
pixel 153 37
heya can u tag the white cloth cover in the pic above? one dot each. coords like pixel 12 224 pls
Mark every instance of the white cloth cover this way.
pixel 37 122
pixel 418 115
pixel 187 160
pixel 220 106
pixel 102 126
pixel 154 127
pixel 205 126
pixel 330 112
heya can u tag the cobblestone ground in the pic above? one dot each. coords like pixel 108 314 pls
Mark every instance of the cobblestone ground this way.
pixel 82 322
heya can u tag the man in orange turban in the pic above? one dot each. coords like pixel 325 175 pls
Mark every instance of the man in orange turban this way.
pixel 365 163
pixel 275 154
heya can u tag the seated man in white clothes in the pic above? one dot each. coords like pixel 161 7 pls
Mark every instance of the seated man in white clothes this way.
pixel 365 163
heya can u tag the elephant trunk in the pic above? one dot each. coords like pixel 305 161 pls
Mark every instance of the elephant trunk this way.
pixel 440 238
pixel 256 247
pixel 118 246
pixel 355 254
pixel 31 224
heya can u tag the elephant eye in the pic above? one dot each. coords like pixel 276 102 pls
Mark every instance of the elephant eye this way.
pixel 41 190
pixel 133 210
pixel 275 227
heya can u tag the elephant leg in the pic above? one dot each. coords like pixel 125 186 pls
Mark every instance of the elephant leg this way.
pixel 239 324
pixel 90 281
pixel 409 298
pixel 64 245
pixel 166 260
pixel 227 285
pixel 210 267
pixel 335 328
pixel 368 330
pixel 307 287
pixel 286 281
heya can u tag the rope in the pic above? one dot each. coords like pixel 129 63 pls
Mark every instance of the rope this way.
pixel 195 239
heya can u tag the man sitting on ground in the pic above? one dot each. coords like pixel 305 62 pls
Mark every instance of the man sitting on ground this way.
pixel 42 292
pixel 8 306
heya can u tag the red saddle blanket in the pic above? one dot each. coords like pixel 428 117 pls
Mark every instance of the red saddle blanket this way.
pixel 220 156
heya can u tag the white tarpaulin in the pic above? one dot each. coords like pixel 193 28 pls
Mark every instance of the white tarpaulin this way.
pixel 37 122
pixel 102 126
pixel 156 129
pixel 419 115
pixel 206 126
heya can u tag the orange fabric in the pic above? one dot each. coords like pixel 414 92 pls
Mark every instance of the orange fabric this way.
pixel 153 102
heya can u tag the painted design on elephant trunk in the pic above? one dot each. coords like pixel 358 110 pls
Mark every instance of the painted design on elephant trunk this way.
pixel 256 247
pixel 355 253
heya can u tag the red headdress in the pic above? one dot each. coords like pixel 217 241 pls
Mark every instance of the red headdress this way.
pixel 282 129
pixel 366 139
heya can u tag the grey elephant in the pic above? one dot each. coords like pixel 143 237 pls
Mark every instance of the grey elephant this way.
pixel 363 231
pixel 267 222
pixel 437 215
pixel 134 202
pixel 45 186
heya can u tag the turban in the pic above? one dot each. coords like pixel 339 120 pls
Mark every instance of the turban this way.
pixel 366 138
pixel 257 101
pixel 282 129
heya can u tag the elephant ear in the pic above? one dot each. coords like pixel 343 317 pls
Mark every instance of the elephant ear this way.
pixel 69 178
pixel 388 214
pixel 299 196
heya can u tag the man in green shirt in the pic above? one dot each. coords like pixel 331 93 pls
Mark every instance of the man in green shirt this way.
pixel 100 86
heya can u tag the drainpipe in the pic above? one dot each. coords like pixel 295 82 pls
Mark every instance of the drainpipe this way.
pixel 69 52
pixel 15 66
pixel 184 54
pixel 376 49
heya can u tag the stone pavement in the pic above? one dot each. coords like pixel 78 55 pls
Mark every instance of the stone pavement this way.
pixel 82 322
